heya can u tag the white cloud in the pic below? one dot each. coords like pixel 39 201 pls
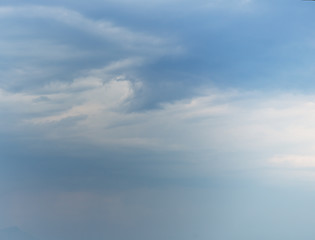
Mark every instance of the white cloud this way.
pixel 293 161
pixel 90 101
pixel 76 43
pixel 101 28
pixel 219 120
pixel 185 5
pixel 234 129
pixel 232 6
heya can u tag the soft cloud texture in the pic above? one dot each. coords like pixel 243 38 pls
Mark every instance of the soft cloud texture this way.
pixel 216 122
pixel 157 120
pixel 36 56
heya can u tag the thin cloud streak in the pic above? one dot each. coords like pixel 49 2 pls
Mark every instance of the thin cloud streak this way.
pixel 104 29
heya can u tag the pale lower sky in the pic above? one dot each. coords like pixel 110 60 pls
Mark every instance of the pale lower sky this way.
pixel 157 120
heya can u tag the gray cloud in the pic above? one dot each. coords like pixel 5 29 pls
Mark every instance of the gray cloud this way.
pixel 113 125
pixel 56 44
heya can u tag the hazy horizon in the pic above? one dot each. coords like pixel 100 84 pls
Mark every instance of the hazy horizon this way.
pixel 171 120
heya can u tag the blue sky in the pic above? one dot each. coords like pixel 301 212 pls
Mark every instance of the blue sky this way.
pixel 178 120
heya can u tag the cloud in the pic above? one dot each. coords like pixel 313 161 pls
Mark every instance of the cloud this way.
pixel 234 5
pixel 223 129
pixel 218 119
pixel 110 127
pixel 101 28
pixel 294 161
pixel 185 5
pixel 74 44
pixel 293 169
pixel 216 129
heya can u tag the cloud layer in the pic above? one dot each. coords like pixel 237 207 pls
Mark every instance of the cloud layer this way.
pixel 157 120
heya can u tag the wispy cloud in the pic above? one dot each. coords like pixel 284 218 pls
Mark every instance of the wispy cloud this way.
pixel 234 125
pixel 35 59
pixel 294 161
pixel 101 28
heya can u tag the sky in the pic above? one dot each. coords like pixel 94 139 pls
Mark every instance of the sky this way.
pixel 173 120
